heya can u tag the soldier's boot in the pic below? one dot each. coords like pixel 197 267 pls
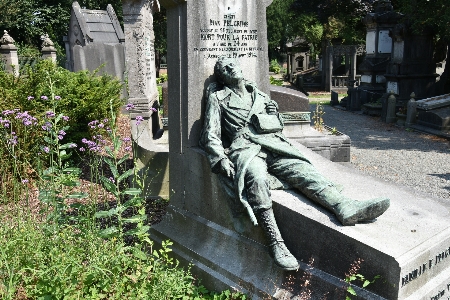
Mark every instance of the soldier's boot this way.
pixel 278 250
pixel 348 211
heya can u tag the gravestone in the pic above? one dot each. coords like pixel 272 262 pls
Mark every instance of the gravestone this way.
pixel 434 112
pixel 378 51
pixel 409 245
pixel 94 38
pixel 411 68
pixel 152 149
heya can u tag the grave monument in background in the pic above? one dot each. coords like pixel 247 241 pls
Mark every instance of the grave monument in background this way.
pixel 409 246
pixel 95 38
pixel 150 144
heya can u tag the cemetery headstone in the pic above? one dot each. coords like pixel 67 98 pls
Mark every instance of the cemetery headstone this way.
pixel 95 38
pixel 378 51
pixel 151 143
pixel 48 48
pixel 411 68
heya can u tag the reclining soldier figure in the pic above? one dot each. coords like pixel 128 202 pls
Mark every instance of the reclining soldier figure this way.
pixel 245 146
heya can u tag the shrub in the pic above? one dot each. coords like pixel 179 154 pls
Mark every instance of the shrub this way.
pixel 86 95
pixel 274 66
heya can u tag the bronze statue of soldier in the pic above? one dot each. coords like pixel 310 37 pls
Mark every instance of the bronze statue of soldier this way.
pixel 242 137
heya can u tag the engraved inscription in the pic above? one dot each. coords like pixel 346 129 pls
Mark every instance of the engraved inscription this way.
pixel 229 36
pixel 416 273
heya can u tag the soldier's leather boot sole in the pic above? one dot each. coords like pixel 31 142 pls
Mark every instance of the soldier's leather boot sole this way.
pixel 354 211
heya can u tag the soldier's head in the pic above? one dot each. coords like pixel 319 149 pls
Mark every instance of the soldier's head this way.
pixel 227 71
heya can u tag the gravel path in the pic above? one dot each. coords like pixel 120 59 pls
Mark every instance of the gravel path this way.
pixel 390 152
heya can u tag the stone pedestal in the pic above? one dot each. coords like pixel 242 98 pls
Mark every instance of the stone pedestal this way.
pixel 152 149
pixel 408 246
pixel 8 54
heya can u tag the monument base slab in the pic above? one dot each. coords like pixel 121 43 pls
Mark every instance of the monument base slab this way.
pixel 408 246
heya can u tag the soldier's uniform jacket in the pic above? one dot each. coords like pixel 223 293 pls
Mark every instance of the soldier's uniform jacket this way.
pixel 228 132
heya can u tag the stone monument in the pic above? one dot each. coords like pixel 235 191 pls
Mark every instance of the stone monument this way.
pixel 8 52
pixel 408 246
pixel 95 38
pixel 152 149
pixel 378 51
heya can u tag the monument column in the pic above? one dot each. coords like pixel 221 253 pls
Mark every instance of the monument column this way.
pixel 139 54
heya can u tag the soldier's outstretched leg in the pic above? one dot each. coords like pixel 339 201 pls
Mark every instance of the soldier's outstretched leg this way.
pixel 303 176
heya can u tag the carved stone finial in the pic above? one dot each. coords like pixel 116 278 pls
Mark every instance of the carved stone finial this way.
pixel 6 39
pixel 46 41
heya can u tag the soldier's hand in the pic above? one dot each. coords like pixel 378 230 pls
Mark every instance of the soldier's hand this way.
pixel 271 108
pixel 227 168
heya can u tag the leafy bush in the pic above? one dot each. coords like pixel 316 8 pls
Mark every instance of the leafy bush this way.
pixel 276 81
pixel 162 78
pixel 274 66
pixel 86 95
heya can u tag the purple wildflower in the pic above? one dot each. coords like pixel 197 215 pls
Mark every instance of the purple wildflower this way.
pixel 57 98
pixel 82 149
pixel 101 125
pixel 30 98
pixel 111 179
pixel 139 119
pixel 46 149
pixel 44 97
pixel 60 137
pixel 105 121
pixel 49 114
pixel 128 148
pixel 24 181
pixel 129 106
pixel 65 118
pixel 126 139
pixel 62 132
pixel 153 109
pixel 73 145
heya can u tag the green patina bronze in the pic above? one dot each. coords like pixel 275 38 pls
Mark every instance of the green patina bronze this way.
pixel 245 146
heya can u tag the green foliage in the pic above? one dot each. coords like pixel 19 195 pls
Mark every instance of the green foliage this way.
pixel 162 78
pixel 274 66
pixel 276 81
pixel 357 277
pixel 87 96
pixel 427 14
